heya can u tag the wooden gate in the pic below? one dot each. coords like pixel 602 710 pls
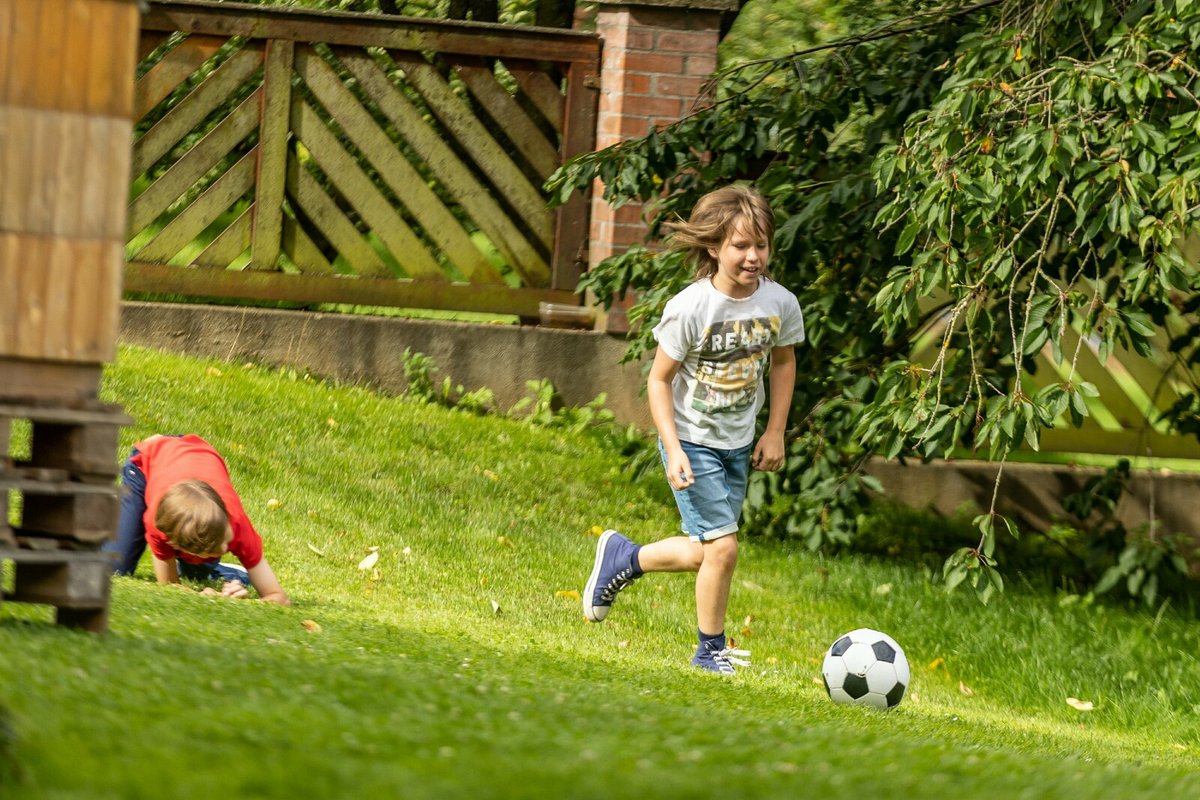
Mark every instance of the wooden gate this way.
pixel 319 157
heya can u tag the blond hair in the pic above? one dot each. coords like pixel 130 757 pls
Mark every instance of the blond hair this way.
pixel 193 517
pixel 716 217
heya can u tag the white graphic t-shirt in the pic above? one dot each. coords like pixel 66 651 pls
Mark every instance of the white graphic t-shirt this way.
pixel 723 345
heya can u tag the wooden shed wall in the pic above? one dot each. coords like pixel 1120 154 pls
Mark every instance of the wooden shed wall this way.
pixel 66 95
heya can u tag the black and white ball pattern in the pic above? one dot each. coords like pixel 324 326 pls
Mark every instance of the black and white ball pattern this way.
pixel 866 667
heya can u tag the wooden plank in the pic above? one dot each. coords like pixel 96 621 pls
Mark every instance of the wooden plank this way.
pixel 422 202
pixel 525 135
pixel 110 78
pixel 375 209
pixel 489 156
pixel 545 93
pixel 520 254
pixel 214 201
pixel 303 250
pixel 193 109
pixel 79 42
pixel 19 165
pixel 32 290
pixel 47 381
pixel 149 41
pixel 8 59
pixel 10 298
pixel 60 276
pixel 369 30
pixel 162 79
pixel 95 299
pixel 308 194
pixel 572 219
pixel 1134 443
pixel 46 82
pixel 228 245
pixel 255 285
pixel 272 154
pixel 26 62
pixel 194 165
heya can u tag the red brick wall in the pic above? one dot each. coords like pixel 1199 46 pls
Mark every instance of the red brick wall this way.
pixel 655 62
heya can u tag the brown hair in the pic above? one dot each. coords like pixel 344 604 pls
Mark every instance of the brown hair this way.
pixel 193 517
pixel 715 217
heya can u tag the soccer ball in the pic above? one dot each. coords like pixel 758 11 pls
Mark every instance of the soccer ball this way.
pixel 865 668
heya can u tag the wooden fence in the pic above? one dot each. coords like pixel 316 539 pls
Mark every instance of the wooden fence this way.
pixel 1126 419
pixel 318 157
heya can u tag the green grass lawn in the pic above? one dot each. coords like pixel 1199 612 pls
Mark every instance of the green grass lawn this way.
pixel 461 665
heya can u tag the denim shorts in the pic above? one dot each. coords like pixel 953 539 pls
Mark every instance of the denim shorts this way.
pixel 711 506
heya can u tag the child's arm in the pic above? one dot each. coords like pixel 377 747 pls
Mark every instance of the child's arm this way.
pixel 662 411
pixel 166 571
pixel 267 585
pixel 770 451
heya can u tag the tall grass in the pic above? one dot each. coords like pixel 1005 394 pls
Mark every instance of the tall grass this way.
pixel 461 666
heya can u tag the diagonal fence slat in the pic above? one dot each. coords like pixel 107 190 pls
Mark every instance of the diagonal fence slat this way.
pixel 194 165
pixel 305 192
pixel 228 245
pixel 542 91
pixel 474 138
pixel 409 187
pixel 199 104
pixel 475 198
pixel 344 173
pixel 530 142
pixel 303 251
pixel 165 76
pixel 216 199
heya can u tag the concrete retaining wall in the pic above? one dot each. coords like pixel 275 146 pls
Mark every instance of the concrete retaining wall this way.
pixel 368 350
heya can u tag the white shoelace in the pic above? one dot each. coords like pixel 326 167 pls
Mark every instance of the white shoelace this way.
pixel 618 582
pixel 727 658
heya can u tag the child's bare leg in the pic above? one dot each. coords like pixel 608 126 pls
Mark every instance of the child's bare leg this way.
pixel 676 554
pixel 712 583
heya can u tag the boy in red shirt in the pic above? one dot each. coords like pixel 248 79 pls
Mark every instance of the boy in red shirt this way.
pixel 178 499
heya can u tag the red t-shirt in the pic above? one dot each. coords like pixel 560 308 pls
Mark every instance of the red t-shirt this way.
pixel 166 461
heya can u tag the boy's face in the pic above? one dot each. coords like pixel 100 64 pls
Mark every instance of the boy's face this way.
pixel 224 546
pixel 741 260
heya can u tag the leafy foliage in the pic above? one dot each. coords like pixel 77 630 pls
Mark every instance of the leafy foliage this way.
pixel 1001 178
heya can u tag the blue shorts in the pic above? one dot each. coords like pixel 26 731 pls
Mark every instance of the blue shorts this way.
pixel 711 506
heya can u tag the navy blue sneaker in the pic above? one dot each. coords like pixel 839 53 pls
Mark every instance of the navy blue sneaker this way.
pixel 714 658
pixel 612 572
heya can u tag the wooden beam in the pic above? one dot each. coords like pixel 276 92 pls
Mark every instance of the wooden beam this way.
pixel 373 30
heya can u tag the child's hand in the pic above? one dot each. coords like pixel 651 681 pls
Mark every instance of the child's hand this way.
pixel 679 471
pixel 235 589
pixel 768 454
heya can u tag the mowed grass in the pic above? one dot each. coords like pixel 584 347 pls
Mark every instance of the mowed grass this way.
pixel 461 666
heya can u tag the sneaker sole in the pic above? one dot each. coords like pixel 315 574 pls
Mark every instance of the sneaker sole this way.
pixel 596 613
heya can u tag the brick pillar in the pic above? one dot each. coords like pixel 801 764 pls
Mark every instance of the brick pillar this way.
pixel 657 56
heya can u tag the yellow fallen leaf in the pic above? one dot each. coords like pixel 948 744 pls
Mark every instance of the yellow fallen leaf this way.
pixel 571 593
pixel 595 530
pixel 371 560
pixel 623 643
pixel 1004 87
pixel 818 681
pixel 310 626
pixel 1017 56
pixel 331 422
pixel 213 372
pixel 504 541
pixel 883 588
pixel 312 514
pixel 273 503
pixel 491 474
pixel 745 631
pixel 483 580
pixel 315 550
pixel 937 662
pixel 1080 705
pixel 966 690
pixel 772 660
pixel 748 621
pixel 407 551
